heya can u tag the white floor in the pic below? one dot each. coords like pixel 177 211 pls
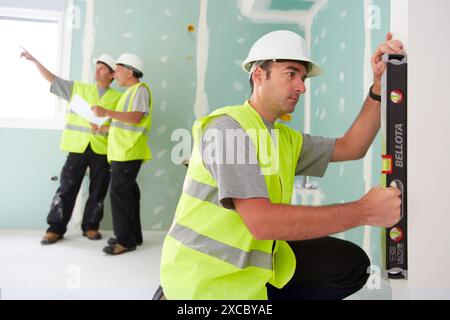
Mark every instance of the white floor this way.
pixel 76 268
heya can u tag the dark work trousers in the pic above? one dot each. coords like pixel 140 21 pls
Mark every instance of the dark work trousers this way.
pixel 71 178
pixel 327 269
pixel 125 198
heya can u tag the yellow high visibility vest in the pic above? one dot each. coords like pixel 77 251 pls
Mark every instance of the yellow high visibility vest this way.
pixel 129 141
pixel 209 253
pixel 77 133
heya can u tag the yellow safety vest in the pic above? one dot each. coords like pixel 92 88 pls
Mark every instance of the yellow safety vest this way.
pixel 209 253
pixel 77 133
pixel 128 141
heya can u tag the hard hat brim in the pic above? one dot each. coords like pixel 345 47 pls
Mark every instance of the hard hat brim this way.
pixel 131 60
pixel 314 70
pixel 109 64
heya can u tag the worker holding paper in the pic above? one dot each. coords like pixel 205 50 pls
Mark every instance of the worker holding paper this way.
pixel 87 145
pixel 127 150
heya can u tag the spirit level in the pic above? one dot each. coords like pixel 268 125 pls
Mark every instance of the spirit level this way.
pixel 394 124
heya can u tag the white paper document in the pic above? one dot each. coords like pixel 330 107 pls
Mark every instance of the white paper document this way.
pixel 83 109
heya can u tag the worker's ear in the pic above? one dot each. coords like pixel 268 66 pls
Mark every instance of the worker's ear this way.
pixel 258 75
pixel 129 73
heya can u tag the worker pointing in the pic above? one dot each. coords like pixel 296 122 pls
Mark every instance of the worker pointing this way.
pixel 235 234
pixel 87 148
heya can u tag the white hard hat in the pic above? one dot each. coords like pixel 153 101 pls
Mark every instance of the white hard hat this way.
pixel 106 59
pixel 132 60
pixel 281 45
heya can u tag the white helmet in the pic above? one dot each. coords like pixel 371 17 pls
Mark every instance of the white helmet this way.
pixel 132 60
pixel 106 59
pixel 281 45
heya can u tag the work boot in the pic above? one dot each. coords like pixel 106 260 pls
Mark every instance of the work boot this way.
pixel 113 241
pixel 50 238
pixel 92 234
pixel 117 249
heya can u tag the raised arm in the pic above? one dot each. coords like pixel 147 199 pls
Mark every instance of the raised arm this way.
pixel 357 140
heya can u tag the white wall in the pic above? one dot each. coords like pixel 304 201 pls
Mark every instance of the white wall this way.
pixel 429 150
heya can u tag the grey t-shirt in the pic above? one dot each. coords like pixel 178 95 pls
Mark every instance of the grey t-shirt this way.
pixel 141 102
pixel 245 180
pixel 63 88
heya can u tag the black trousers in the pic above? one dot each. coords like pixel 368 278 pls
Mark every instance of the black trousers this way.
pixel 327 269
pixel 71 178
pixel 125 199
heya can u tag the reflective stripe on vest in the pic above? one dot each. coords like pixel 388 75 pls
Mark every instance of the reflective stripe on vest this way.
pixel 237 257
pixel 127 103
pixel 201 191
pixel 84 129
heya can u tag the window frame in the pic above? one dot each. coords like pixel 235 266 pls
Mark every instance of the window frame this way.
pixel 56 122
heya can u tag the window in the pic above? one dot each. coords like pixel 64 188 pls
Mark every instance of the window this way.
pixel 26 101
